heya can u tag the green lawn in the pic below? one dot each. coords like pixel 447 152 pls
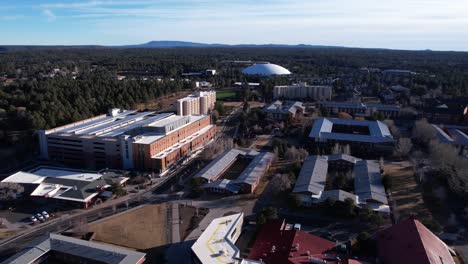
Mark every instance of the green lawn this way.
pixel 220 95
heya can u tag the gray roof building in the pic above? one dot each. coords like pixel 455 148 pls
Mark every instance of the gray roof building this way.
pixel 313 176
pixel 259 164
pixel 368 182
pixel 451 134
pixel 284 108
pixel 75 249
pixel 338 195
pixel 216 167
pixel 256 168
pixel 368 187
pixel 66 184
pixel 324 129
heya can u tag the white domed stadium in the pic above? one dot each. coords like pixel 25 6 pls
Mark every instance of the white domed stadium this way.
pixel 265 69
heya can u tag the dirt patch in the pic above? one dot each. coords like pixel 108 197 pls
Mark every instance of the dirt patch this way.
pixel 143 228
pixel 6 233
pixel 406 193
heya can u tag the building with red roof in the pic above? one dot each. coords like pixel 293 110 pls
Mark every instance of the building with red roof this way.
pixel 280 243
pixel 411 242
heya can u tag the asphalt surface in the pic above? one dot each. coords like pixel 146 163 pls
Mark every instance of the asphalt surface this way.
pixel 152 195
pixel 156 194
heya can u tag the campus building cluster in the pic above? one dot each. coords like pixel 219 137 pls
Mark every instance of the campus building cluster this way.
pixel 127 139
pixel 76 188
pixel 361 109
pixel 246 182
pixel 303 91
pixel 368 191
pixel 199 103
pixel 279 110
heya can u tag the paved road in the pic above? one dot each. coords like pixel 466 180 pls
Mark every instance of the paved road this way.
pixel 155 194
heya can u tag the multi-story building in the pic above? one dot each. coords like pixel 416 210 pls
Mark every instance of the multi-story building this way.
pixel 361 109
pixel 200 103
pixel 279 110
pixel 361 135
pixel 311 184
pixel 127 139
pixel 303 91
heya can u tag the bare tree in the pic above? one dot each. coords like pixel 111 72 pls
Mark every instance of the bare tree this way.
pixel 403 147
pixel 408 111
pixel 10 191
pixel 336 149
pixel 217 148
pixel 392 127
pixel 446 159
pixel 279 183
pixel 423 132
pixel 346 149
pixel 291 153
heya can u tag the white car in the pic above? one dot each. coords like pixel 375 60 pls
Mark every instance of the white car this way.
pixel 45 214
pixel 33 219
pixel 40 217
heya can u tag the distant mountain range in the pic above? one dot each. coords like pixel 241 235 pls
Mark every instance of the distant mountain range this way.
pixel 161 44
pixel 187 44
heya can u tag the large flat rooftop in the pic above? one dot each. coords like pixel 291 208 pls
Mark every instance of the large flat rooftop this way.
pixel 217 243
pixel 39 174
pixel 216 167
pixel 111 125
pixel 92 251
pixel 351 130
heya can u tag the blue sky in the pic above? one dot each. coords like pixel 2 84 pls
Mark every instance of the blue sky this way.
pixel 399 24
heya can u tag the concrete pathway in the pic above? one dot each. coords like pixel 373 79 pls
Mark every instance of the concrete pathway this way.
pixel 175 223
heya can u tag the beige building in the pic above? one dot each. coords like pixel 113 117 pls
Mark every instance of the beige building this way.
pixel 200 103
pixel 302 90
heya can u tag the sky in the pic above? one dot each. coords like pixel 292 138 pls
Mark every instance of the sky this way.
pixel 396 24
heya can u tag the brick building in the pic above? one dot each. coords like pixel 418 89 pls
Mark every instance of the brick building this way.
pixel 127 139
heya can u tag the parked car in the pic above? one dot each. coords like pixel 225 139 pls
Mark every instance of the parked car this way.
pixel 33 219
pixel 45 214
pixel 40 217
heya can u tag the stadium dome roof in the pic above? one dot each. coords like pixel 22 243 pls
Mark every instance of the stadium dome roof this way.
pixel 265 69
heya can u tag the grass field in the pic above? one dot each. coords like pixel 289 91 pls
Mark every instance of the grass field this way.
pixel 220 95
pixel 141 229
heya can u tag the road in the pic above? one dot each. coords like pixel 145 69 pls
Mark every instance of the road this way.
pixel 156 194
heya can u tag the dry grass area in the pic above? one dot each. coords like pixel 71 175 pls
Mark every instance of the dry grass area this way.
pixel 141 229
pixel 406 192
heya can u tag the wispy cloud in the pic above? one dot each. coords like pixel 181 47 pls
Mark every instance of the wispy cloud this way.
pixel 49 14
pixel 331 22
